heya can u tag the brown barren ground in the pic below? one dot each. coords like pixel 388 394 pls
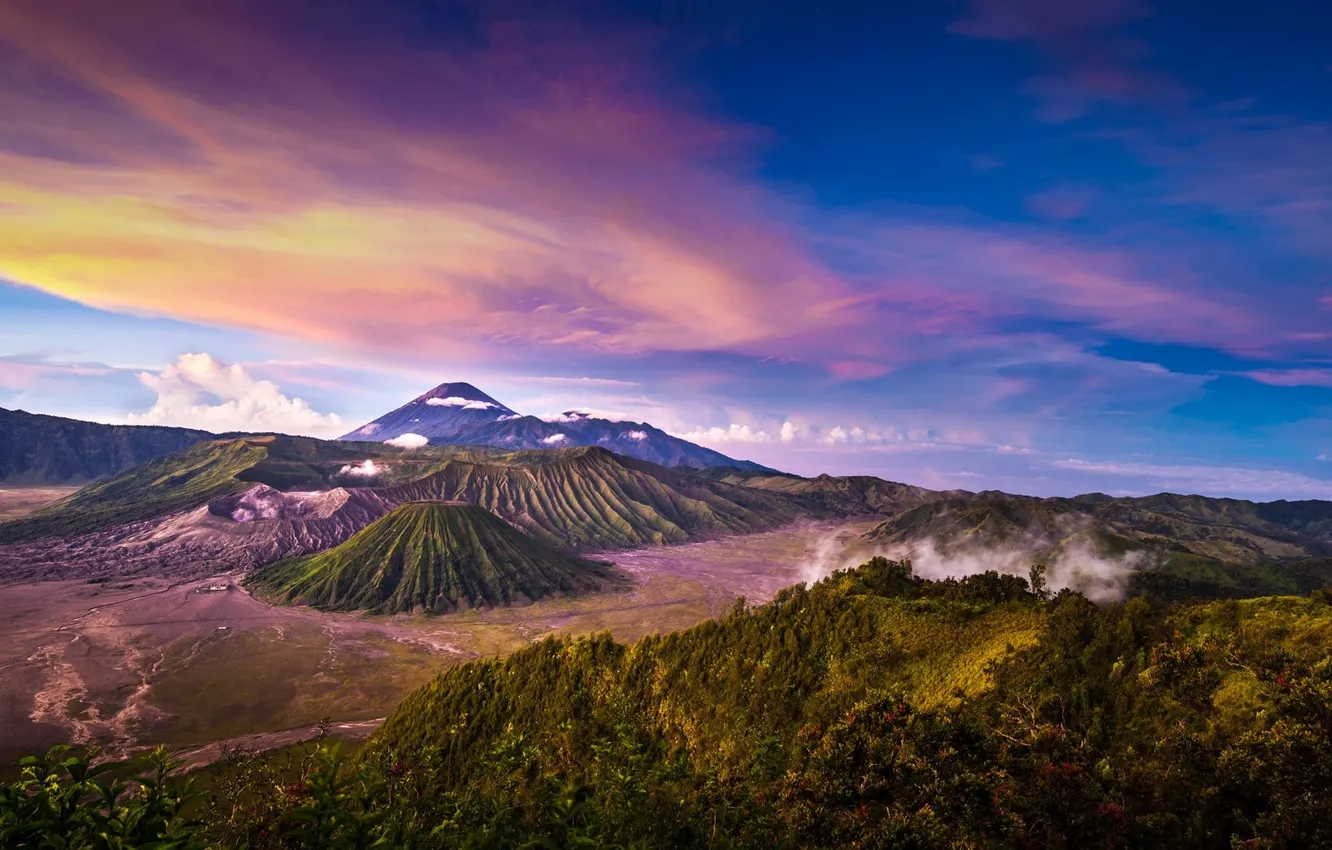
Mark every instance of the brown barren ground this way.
pixel 20 501
pixel 123 664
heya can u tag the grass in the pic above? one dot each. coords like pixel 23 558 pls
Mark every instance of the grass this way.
pixel 433 557
pixel 584 498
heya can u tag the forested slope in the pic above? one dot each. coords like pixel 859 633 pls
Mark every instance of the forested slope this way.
pixel 873 710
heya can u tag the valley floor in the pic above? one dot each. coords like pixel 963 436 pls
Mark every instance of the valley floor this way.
pixel 120 663
pixel 16 502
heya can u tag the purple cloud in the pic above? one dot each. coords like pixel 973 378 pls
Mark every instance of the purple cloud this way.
pixel 1090 59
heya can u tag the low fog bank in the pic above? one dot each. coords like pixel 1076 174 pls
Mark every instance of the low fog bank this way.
pixel 1075 565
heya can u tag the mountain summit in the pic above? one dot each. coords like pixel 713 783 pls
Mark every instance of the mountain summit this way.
pixel 461 414
pixel 438 415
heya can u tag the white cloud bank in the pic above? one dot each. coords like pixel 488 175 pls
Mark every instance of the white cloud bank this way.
pixel 566 416
pixel 555 439
pixel 836 435
pixel 741 433
pixel 198 391
pixel 459 401
pixel 1075 566
pixel 408 441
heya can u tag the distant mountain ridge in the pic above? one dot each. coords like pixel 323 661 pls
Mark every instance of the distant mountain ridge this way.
pixel 1223 530
pixel 460 414
pixel 36 449
pixel 242 503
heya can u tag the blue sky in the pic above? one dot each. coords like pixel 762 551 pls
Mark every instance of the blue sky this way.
pixel 1021 244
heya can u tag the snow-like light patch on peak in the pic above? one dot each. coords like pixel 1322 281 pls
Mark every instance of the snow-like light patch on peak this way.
pixel 459 401
pixel 636 436
pixel 366 469
pixel 555 439
pixel 567 416
pixel 408 441
pixel 506 417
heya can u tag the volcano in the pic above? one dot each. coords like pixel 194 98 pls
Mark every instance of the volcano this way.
pixel 460 414
pixel 433 557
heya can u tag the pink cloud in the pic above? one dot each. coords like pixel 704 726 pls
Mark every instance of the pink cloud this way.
pixel 857 370
pixel 1091 60
pixel 1274 168
pixel 19 372
pixel 978 278
pixel 1293 377
pixel 532 188
pixel 538 190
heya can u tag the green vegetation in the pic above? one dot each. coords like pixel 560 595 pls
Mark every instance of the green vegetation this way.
pixel 1186 577
pixel 873 709
pixel 432 557
pixel 585 498
pixel 216 468
pixel 168 484
pixel 1222 531
pixel 589 498
pixel 64 801
pixel 38 450
pixel 840 495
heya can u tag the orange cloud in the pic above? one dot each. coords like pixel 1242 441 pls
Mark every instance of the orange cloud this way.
pixel 512 193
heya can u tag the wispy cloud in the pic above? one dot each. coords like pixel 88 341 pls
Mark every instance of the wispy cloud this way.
pixel 609 226
pixel 1292 377
pixel 25 371
pixel 562 204
pixel 576 382
pixel 1090 57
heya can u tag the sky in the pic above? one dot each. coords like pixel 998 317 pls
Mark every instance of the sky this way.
pixel 1031 245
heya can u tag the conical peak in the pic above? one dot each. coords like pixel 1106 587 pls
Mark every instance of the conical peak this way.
pixel 461 395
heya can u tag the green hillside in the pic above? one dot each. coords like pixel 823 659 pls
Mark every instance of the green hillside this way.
pixel 188 479
pixel 176 482
pixel 50 450
pixel 433 557
pixel 589 498
pixel 715 693
pixel 1184 528
pixel 842 495
pixel 584 498
pixel 879 710
pixel 873 709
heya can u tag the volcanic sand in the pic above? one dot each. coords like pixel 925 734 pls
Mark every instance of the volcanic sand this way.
pixel 123 664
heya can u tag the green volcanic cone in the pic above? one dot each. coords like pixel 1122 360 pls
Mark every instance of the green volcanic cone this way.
pixel 434 557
